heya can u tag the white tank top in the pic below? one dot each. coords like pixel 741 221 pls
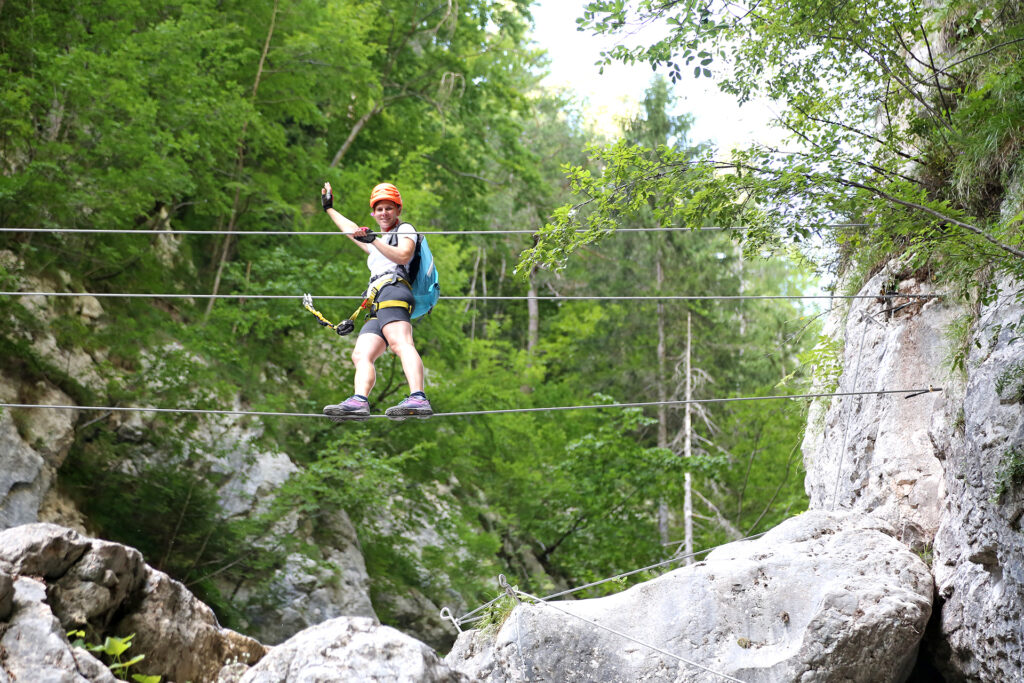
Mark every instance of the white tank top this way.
pixel 378 263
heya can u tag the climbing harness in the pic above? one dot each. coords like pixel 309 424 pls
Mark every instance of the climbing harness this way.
pixel 369 302
pixel 373 291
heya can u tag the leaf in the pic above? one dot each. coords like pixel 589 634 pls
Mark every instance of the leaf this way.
pixel 115 647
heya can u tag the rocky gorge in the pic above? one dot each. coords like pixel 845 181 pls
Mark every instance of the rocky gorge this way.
pixel 908 564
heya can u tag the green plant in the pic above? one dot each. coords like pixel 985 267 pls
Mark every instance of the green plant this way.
pixel 496 614
pixel 1013 379
pixel 926 554
pixel 113 650
pixel 959 336
pixel 1010 472
pixel 960 421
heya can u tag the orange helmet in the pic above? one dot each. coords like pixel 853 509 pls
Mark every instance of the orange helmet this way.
pixel 385 191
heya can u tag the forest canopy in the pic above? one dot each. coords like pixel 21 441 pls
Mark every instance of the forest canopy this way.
pixel 226 117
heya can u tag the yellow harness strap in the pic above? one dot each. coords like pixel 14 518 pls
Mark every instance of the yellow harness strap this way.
pixel 380 284
pixel 393 303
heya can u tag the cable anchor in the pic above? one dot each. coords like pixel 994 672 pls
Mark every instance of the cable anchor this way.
pixel 446 614
pixel 509 590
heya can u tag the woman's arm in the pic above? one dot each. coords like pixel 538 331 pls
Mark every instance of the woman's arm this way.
pixel 401 254
pixel 344 224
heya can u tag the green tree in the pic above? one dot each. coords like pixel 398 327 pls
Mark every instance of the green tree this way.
pixel 886 128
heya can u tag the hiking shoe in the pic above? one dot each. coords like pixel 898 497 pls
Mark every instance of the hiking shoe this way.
pixel 412 406
pixel 353 408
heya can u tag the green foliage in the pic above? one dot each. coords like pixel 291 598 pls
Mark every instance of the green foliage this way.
pixel 113 648
pixel 881 133
pixel 960 333
pixel 496 614
pixel 927 554
pixel 1009 474
pixel 132 115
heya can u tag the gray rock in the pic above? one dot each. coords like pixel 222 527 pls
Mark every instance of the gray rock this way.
pixel 979 554
pixel 91 583
pixel 49 432
pixel 351 649
pixel 6 595
pixel 822 597
pixel 23 482
pixel 89 308
pixel 44 550
pixel 180 635
pixel 418 615
pixel 33 444
pixel 98 585
pixel 306 591
pixel 882 453
pixel 33 646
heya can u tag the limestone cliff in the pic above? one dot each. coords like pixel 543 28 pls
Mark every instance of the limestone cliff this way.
pixel 944 469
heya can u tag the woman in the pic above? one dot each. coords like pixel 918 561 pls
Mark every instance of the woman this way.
pixel 389 325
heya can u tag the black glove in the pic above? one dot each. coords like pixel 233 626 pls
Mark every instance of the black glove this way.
pixel 364 235
pixel 327 199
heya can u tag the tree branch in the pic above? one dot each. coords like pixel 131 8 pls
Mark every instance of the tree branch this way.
pixel 827 122
pixel 718 517
pixel 460 173
pixel 901 202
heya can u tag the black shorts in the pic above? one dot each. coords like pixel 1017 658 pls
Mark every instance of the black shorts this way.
pixel 375 325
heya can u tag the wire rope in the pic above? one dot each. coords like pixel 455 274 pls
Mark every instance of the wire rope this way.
pixel 469 617
pixel 329 297
pixel 542 409
pixel 628 637
pixel 318 233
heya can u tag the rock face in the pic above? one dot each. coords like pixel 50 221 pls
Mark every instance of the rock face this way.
pixel 33 445
pixel 939 467
pixel 822 597
pixel 979 548
pixel 306 591
pixel 348 649
pixel 883 453
pixel 63 581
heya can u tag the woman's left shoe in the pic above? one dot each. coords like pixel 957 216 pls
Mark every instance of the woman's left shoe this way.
pixel 412 406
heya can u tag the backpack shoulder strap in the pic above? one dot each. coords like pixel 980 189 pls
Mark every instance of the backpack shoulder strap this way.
pixel 392 236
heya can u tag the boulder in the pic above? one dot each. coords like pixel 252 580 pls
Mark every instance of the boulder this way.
pixel 180 635
pixel 44 550
pixel 34 647
pixel 107 590
pixel 822 597
pixel 883 453
pixel 349 649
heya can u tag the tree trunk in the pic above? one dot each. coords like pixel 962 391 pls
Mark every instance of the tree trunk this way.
pixel 363 120
pixel 225 250
pixel 687 452
pixel 659 277
pixel 533 314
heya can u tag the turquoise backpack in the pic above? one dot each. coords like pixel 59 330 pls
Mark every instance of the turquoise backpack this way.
pixel 426 289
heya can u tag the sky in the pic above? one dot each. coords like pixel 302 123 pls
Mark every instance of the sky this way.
pixel 617 93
